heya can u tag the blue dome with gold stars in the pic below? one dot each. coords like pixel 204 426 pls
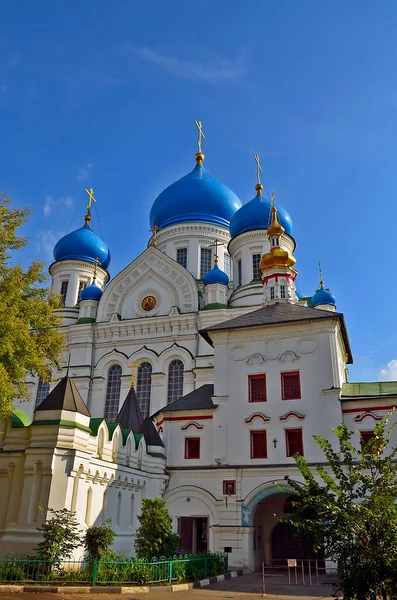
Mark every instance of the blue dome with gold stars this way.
pixel 82 244
pixel 196 197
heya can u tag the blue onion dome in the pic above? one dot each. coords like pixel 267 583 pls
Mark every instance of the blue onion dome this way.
pixel 82 244
pixel 323 296
pixel 216 276
pixel 91 292
pixel 196 197
pixel 256 214
pixel 299 294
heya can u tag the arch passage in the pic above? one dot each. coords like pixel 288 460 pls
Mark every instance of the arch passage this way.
pixel 286 543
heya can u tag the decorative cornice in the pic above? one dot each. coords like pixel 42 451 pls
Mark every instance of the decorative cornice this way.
pixel 292 413
pixel 257 415
pixel 191 424
pixel 360 418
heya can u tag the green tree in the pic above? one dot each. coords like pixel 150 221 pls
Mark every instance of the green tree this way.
pixel 350 510
pixel 155 536
pixel 61 536
pixel 30 340
pixel 98 539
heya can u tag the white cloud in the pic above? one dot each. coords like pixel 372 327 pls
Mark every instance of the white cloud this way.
pixel 216 70
pixel 84 172
pixel 50 203
pixel 45 242
pixel 390 373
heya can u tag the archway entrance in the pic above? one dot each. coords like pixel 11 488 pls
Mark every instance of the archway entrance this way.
pixel 275 542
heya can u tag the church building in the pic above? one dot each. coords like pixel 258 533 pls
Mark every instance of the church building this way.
pixel 233 372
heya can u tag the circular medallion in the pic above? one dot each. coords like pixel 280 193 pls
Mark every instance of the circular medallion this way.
pixel 148 303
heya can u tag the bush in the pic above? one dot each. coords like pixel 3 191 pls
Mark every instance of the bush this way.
pixel 60 536
pixel 155 536
pixel 97 540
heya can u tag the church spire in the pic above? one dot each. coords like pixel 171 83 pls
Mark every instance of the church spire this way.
pixel 277 265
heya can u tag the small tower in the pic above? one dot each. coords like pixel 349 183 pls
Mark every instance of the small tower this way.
pixel 323 298
pixel 77 257
pixel 277 266
pixel 215 286
pixel 89 300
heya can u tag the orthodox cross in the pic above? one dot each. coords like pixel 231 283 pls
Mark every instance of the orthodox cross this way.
pixel 133 367
pixel 200 135
pixel 273 199
pixel 95 268
pixel 154 231
pixel 91 199
pixel 321 274
pixel 258 168
pixel 215 245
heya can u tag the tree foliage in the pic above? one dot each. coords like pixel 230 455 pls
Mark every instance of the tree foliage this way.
pixel 155 536
pixel 30 340
pixel 350 510
pixel 61 535
pixel 98 539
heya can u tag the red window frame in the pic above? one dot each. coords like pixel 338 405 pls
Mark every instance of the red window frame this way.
pixel 187 452
pixel 287 441
pixel 296 396
pixel 365 437
pixel 251 378
pixel 229 487
pixel 254 434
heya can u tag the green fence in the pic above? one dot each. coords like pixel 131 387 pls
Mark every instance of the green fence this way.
pixel 185 567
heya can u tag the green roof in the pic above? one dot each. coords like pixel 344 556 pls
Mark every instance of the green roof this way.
pixel 369 389
pixel 19 418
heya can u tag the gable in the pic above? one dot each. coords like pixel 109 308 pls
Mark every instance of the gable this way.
pixel 153 281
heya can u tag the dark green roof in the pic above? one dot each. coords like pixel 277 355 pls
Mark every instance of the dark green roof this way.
pixel 369 389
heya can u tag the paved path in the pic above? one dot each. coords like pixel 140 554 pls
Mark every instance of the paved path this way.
pixel 244 588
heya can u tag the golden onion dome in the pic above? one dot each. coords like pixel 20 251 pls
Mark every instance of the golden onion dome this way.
pixel 277 257
pixel 275 229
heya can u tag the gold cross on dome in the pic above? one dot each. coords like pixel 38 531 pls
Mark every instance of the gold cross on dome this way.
pixel 258 168
pixel 154 231
pixel 273 199
pixel 215 245
pixel 200 135
pixel 134 365
pixel 91 198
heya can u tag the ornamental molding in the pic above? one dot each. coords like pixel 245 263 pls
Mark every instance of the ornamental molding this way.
pixel 256 358
pixel 257 415
pixel 293 414
pixel 289 356
pixel 155 265
pixel 368 413
pixel 191 424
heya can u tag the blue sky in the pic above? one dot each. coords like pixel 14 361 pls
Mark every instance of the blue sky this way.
pixel 105 94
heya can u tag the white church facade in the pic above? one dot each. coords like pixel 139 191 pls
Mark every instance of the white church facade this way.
pixel 234 373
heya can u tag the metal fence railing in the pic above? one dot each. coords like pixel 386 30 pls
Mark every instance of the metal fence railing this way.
pixel 299 572
pixel 38 570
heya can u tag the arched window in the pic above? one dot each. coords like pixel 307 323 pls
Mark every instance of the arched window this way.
pixel 175 380
pixel 144 387
pixel 43 390
pixel 113 393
